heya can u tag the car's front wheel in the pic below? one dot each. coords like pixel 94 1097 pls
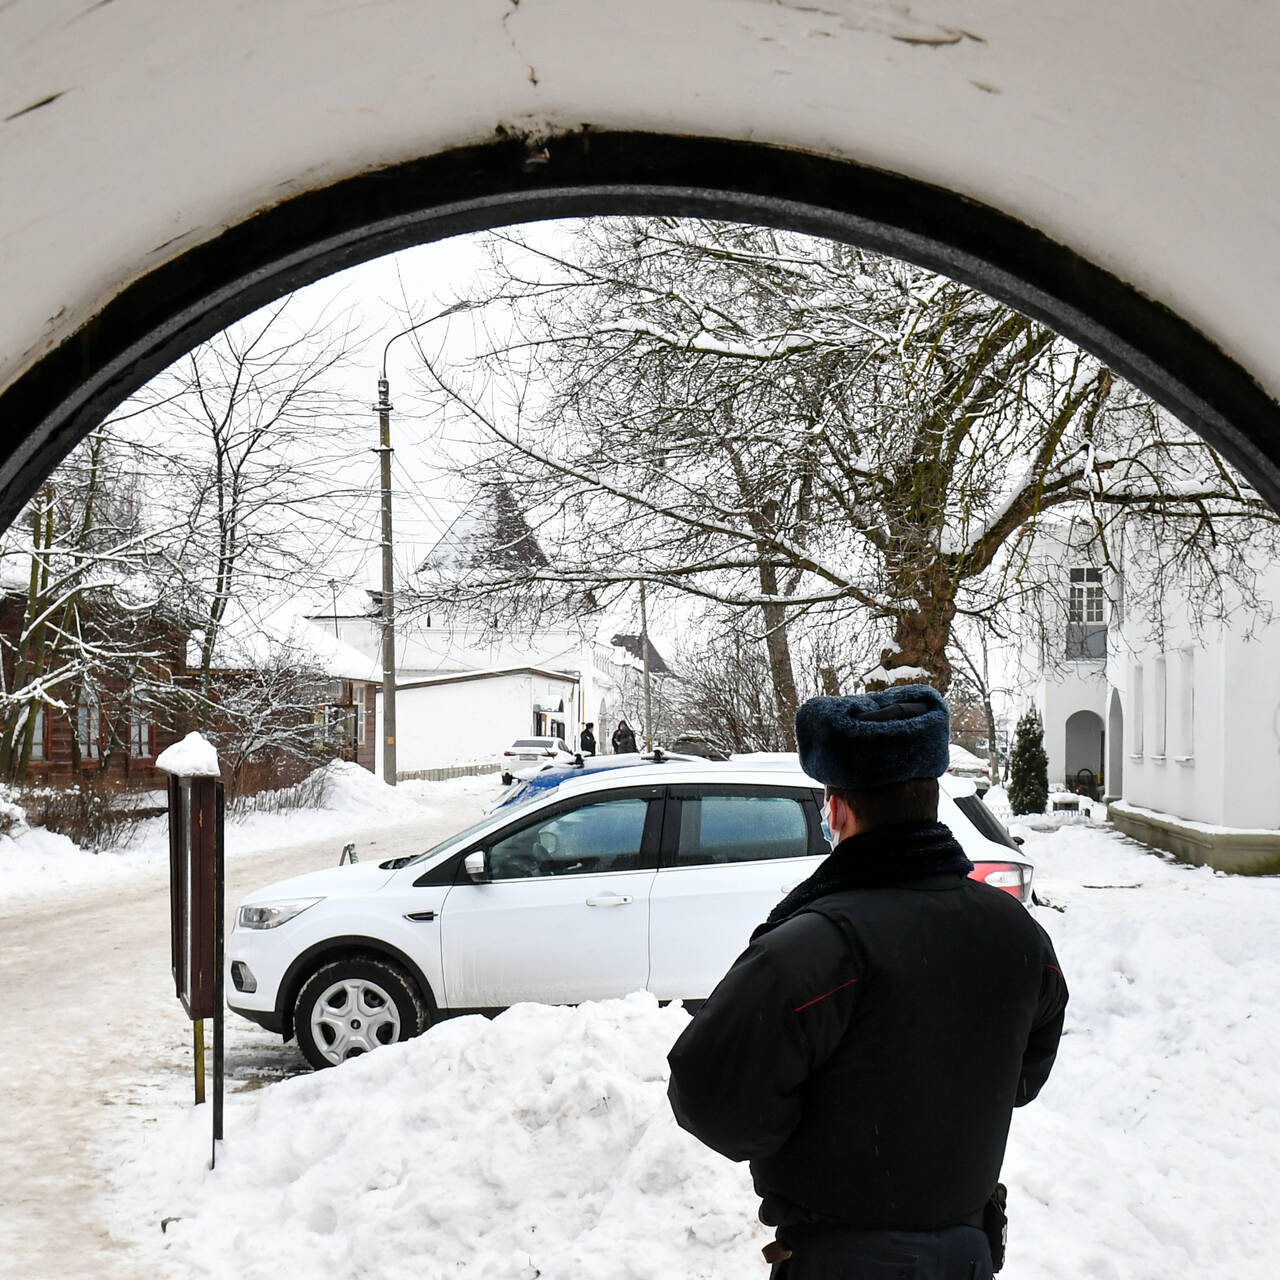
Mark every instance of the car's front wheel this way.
pixel 353 1006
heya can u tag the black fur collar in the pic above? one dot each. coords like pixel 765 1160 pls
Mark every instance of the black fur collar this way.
pixel 885 855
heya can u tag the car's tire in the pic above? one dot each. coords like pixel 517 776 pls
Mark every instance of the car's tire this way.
pixel 353 1006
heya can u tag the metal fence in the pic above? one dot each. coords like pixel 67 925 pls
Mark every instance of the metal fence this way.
pixel 449 771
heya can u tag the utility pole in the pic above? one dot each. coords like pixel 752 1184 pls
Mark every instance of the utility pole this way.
pixel 384 451
pixel 388 586
pixel 644 653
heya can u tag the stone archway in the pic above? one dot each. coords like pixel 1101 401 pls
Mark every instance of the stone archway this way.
pixel 1084 743
pixel 162 315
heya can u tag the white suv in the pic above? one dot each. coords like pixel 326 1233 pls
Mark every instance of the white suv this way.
pixel 644 878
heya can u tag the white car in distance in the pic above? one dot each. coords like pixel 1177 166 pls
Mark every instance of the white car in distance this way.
pixel 533 753
pixel 649 877
pixel 964 764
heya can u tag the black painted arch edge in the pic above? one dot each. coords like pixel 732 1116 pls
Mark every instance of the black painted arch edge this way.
pixel 164 313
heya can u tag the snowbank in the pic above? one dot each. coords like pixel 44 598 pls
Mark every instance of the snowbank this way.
pixel 539 1144
pixel 536 1144
pixel 37 864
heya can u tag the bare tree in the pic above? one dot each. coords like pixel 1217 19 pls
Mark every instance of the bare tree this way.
pixel 93 613
pixel 227 476
pixel 792 427
pixel 266 713
pixel 247 447
pixel 725 694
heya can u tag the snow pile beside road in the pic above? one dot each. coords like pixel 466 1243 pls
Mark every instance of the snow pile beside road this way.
pixel 37 864
pixel 536 1144
pixel 35 860
pixel 541 1143
pixel 352 789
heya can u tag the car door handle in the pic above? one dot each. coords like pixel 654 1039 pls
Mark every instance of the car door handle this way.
pixel 610 900
pixel 786 888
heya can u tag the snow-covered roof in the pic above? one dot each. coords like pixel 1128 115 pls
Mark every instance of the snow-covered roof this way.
pixel 632 645
pixel 490 534
pixel 490 673
pixel 255 635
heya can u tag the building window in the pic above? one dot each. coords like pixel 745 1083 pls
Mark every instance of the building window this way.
pixel 89 729
pixel 1086 603
pixel 1139 711
pixel 1187 705
pixel 37 740
pixel 1160 706
pixel 357 696
pixel 1086 617
pixel 139 731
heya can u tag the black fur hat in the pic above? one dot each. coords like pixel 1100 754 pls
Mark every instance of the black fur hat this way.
pixel 875 739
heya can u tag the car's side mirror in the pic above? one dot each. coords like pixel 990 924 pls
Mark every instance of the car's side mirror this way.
pixel 1018 840
pixel 476 865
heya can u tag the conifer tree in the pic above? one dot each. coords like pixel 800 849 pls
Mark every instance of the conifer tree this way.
pixel 1029 766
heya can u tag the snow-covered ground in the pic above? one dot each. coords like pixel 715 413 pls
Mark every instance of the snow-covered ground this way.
pixel 39 865
pixel 539 1144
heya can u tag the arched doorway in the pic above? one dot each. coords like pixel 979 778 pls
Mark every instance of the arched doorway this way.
pixel 1115 746
pixel 1083 744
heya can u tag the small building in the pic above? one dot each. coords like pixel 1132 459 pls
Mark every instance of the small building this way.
pixel 470 717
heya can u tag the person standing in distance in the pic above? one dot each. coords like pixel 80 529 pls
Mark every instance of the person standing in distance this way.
pixel 587 739
pixel 866 1052
pixel 624 740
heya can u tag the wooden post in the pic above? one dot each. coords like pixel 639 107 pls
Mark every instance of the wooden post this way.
pixel 197 1033
pixel 196 906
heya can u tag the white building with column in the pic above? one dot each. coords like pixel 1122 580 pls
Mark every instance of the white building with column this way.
pixel 1180 709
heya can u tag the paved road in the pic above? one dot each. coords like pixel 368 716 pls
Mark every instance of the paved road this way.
pixel 89 1026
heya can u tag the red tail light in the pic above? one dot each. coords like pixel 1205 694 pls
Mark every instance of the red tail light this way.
pixel 1013 877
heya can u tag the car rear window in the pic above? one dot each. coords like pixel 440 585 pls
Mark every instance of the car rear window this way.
pixel 986 821
pixel 532 742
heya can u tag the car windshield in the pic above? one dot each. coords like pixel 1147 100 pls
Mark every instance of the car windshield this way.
pixel 465 834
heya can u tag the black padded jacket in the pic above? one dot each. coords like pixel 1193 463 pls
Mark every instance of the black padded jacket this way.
pixel 866 1053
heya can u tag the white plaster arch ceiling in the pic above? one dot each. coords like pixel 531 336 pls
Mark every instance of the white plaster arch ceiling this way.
pixel 137 135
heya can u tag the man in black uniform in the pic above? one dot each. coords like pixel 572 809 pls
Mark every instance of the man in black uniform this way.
pixel 587 739
pixel 866 1051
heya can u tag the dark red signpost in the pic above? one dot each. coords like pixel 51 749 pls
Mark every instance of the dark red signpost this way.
pixel 196 892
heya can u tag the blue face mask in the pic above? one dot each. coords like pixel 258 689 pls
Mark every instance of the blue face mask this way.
pixel 827 834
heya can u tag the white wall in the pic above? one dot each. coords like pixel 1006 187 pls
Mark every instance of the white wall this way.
pixel 472 721
pixel 1222 768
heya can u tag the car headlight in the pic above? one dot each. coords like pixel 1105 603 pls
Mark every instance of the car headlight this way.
pixel 267 915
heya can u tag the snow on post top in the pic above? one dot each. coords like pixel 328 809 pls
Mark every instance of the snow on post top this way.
pixel 194 757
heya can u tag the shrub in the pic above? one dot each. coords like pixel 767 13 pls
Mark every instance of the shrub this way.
pixel 91 815
pixel 1029 767
pixel 307 794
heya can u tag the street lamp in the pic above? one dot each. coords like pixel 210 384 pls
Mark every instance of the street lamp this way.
pixel 388 581
pixel 333 587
